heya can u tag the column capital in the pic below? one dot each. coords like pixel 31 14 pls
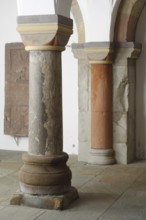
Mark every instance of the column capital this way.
pixel 99 52
pixel 44 32
pixel 94 52
pixel 125 50
pixel 78 51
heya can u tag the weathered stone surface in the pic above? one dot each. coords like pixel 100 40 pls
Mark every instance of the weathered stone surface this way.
pixel 120 152
pixel 120 127
pixel 120 89
pixel 43 175
pixel 45 103
pixel 124 90
pixel 16 90
pixel 47 201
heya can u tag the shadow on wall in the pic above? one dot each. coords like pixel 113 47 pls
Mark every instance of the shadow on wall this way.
pixel 141 89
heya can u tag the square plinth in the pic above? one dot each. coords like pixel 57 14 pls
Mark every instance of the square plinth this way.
pixel 56 202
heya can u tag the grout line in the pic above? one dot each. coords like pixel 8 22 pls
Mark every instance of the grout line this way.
pixel 35 218
pixel 120 196
pixel 94 176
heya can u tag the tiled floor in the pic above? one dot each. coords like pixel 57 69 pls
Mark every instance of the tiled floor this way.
pixel 115 192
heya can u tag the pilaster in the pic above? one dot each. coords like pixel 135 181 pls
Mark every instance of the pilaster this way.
pixel 84 115
pixel 124 89
pixel 100 57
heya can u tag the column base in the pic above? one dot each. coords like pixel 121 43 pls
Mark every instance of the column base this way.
pixel 45 175
pixel 101 156
pixel 56 202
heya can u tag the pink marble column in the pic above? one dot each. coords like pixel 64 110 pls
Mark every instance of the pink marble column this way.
pixel 101 86
pixel 101 106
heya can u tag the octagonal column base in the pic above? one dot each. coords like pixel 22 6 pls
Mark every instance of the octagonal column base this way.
pixel 56 202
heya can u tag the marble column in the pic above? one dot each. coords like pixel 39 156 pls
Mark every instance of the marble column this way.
pixel 100 59
pixel 45 179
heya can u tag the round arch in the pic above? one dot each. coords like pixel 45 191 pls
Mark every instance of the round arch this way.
pixel 78 18
pixel 126 54
pixel 127 18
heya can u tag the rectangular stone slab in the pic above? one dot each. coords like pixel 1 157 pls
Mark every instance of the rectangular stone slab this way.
pixel 16 90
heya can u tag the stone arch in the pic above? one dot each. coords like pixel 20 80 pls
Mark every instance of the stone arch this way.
pixel 124 71
pixel 127 18
pixel 77 15
pixel 113 18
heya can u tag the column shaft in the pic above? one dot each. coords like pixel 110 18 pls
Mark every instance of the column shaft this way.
pixel 101 106
pixel 45 103
pixel 101 114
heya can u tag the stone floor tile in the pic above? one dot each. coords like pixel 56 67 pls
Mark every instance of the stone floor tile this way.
pixel 8 186
pixel 88 207
pixel 87 170
pixel 117 184
pixel 73 159
pixel 139 184
pixel 79 180
pixel 132 198
pixel 143 175
pixel 19 213
pixel 95 186
pixel 125 213
pixel 11 156
pixel 7 168
pixel 124 170
pixel 108 183
pixel 139 163
pixel 2 207
pixel 52 215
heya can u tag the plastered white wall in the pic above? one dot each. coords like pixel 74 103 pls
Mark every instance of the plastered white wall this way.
pixel 70 97
pixel 33 7
pixel 39 7
pixel 97 17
